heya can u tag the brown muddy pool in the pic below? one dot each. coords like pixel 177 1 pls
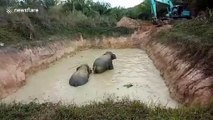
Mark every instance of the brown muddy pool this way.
pixel 134 77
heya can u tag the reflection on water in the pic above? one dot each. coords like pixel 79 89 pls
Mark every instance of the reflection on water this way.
pixel 132 66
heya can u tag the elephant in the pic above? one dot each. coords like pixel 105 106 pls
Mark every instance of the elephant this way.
pixel 81 76
pixel 104 62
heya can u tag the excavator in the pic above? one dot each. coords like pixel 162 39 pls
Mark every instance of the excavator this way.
pixel 173 11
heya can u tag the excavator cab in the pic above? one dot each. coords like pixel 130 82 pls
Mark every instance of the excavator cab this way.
pixel 180 11
pixel 174 11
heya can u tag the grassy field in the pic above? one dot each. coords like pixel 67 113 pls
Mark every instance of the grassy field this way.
pixel 108 110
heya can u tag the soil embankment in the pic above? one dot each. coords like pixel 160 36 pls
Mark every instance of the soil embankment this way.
pixel 187 83
pixel 15 63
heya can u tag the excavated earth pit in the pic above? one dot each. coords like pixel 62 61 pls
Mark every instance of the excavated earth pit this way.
pixel 134 77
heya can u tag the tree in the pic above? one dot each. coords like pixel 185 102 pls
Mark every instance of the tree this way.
pixel 101 8
pixel 7 3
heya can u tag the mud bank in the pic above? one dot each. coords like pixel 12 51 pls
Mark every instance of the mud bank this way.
pixel 16 64
pixel 188 85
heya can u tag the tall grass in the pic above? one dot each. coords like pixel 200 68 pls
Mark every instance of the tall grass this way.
pixel 109 110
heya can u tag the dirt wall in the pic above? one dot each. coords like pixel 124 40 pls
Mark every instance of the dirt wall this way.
pixel 15 63
pixel 188 85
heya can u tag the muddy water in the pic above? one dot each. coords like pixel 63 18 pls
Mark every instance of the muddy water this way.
pixel 132 66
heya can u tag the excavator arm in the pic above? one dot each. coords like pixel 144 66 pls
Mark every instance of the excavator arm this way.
pixel 153 9
pixel 154 6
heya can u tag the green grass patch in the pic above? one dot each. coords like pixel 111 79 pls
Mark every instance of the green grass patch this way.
pixel 108 110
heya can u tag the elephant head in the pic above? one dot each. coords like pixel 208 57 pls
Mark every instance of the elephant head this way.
pixel 113 56
pixel 85 66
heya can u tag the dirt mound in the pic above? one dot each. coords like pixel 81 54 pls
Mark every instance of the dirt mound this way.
pixel 128 23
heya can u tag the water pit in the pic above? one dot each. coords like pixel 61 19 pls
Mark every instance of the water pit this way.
pixel 134 76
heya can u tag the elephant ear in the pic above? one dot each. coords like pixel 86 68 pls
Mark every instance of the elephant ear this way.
pixel 78 68
pixel 88 69
pixel 113 56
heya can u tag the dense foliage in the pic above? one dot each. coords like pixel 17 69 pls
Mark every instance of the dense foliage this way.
pixel 70 18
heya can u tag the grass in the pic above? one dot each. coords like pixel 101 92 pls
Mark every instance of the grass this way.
pixel 8 36
pixel 107 110
pixel 193 32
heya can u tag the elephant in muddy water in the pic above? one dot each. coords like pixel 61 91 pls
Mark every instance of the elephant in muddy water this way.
pixel 81 76
pixel 104 62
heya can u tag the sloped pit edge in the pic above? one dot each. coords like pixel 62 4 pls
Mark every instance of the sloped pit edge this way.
pixel 186 83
